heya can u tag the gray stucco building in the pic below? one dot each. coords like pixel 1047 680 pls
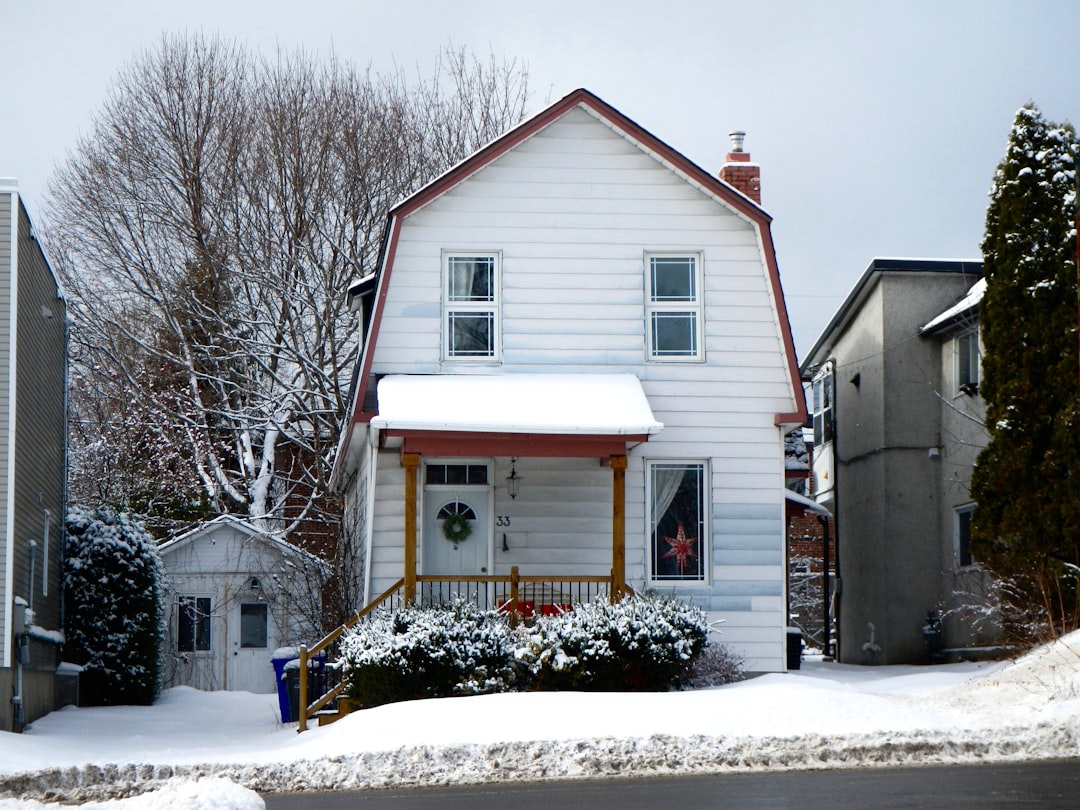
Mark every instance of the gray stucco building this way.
pixel 898 424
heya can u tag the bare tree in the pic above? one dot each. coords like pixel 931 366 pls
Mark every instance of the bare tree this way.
pixel 208 229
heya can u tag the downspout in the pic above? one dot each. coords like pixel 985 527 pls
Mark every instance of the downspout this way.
pixel 826 596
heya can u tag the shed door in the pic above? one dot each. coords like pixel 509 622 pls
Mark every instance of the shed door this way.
pixel 249 664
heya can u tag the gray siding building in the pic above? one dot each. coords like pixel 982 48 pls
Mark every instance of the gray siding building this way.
pixel 898 424
pixel 33 369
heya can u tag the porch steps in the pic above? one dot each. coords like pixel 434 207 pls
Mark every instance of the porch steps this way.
pixel 332 715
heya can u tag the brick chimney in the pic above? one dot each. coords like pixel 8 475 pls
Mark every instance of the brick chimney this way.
pixel 739 172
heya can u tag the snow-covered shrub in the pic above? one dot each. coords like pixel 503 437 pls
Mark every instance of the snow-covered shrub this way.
pixel 457 649
pixel 716 665
pixel 113 609
pixel 641 643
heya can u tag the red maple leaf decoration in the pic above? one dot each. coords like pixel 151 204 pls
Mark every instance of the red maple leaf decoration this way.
pixel 682 549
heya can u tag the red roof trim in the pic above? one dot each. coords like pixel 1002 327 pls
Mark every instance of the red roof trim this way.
pixel 800 415
pixel 528 128
pixel 524 445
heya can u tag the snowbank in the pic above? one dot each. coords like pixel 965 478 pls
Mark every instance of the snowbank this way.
pixel 823 716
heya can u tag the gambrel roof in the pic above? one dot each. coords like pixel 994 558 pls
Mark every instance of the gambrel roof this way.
pixel 362 408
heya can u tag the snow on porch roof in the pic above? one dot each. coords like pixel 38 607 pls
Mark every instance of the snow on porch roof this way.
pixel 586 404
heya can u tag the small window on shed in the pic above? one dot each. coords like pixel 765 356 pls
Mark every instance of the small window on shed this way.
pixel 253 621
pixel 193 624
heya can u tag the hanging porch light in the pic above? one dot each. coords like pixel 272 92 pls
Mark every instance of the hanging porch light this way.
pixel 513 480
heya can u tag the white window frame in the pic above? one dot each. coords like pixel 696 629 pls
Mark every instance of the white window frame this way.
pixel 465 307
pixel 658 309
pixel 967 342
pixel 960 513
pixel 704 530
pixel 823 404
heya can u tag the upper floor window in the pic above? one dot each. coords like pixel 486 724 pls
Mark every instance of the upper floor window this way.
pixel 471 306
pixel 823 405
pixel 967 362
pixel 674 307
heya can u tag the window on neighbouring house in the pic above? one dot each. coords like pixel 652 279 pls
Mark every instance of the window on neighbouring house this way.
pixel 472 307
pixel 967 362
pixel 677 517
pixel 823 406
pixel 674 307
pixel 193 624
pixel 253 623
pixel 962 535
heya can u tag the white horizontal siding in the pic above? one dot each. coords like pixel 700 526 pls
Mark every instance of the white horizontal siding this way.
pixel 572 212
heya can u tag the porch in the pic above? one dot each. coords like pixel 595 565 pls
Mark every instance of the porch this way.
pixel 438 442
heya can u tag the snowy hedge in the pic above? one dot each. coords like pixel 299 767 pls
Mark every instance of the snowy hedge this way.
pixel 429 652
pixel 640 643
pixel 113 609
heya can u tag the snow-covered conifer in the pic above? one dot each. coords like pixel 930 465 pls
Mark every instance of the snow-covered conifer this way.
pixel 1027 480
pixel 113 608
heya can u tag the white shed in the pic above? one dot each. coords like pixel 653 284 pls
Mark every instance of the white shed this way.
pixel 233 595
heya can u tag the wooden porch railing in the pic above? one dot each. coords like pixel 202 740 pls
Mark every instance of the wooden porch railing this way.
pixel 520 597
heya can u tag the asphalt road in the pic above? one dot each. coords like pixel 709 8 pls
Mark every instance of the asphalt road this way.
pixel 1053 785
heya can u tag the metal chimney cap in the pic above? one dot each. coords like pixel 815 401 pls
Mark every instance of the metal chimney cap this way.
pixel 737 138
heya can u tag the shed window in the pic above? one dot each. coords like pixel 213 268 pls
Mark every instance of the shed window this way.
pixel 253 625
pixel 193 623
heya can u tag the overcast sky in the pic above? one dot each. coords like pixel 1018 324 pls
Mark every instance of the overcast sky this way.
pixel 877 124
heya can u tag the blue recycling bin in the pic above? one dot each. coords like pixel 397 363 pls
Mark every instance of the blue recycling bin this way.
pixel 280 659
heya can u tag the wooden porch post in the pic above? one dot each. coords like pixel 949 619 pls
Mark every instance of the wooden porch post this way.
pixel 618 527
pixel 410 461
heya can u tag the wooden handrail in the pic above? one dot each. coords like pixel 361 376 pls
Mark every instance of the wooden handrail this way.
pixel 307 711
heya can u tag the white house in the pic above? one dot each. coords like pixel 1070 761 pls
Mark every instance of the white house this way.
pixel 235 594
pixel 577 378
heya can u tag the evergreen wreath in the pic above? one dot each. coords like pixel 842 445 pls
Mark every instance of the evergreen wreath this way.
pixel 456 528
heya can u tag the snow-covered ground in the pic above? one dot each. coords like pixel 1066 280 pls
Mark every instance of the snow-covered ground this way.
pixel 199 749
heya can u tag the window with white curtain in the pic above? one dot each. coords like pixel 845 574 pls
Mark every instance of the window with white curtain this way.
pixel 471 306
pixel 677 526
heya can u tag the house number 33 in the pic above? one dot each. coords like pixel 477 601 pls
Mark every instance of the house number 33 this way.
pixel 502 520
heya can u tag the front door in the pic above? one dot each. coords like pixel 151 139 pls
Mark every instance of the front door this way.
pixel 457 528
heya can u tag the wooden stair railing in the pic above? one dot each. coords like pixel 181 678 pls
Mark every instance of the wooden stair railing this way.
pixel 306 654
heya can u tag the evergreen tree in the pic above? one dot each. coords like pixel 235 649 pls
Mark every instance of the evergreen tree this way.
pixel 113 620
pixel 1027 480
